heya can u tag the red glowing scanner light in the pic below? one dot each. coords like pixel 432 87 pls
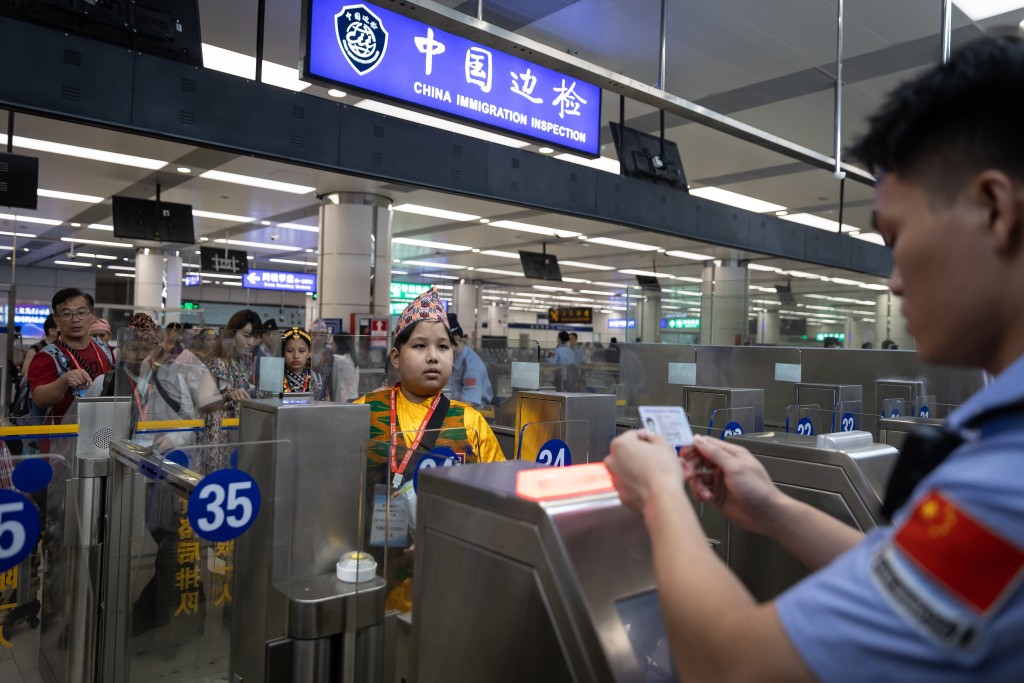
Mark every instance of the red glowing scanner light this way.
pixel 551 483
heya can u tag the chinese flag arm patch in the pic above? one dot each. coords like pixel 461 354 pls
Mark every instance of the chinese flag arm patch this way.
pixel 470 382
pixel 961 554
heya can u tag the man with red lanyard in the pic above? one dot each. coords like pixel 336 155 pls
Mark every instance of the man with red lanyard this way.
pixel 64 369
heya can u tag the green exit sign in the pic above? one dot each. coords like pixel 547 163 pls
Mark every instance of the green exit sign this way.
pixel 822 336
pixel 407 291
pixel 189 306
pixel 684 323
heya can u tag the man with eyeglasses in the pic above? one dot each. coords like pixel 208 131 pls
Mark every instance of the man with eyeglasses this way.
pixel 64 369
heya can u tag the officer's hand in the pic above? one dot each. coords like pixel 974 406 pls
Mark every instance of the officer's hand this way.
pixel 728 476
pixel 643 464
pixel 236 395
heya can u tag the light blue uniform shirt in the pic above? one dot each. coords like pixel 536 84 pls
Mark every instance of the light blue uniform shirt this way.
pixel 875 614
pixel 562 355
pixel 470 382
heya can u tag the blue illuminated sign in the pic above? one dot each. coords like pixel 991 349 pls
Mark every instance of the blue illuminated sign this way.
pixel 363 46
pixel 621 324
pixel 279 281
pixel 190 280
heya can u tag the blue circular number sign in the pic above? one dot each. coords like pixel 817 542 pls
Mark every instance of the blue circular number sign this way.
pixel 895 412
pixel 848 423
pixel 554 453
pixel 805 427
pixel 732 429
pixel 223 505
pixel 19 528
pixel 32 475
pixel 442 456
pixel 925 412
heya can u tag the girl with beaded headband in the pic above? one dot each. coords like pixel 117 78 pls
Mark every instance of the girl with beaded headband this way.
pixel 298 376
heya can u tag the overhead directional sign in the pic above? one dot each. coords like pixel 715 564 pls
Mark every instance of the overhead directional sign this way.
pixel 223 261
pixel 578 315
pixel 280 281
pixel 363 46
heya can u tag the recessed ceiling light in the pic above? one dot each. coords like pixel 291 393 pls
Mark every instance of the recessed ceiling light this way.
pixel 184 169
pixel 258 245
pixel 818 222
pixel 253 181
pixel 576 280
pixel 622 244
pixel 549 288
pixel 221 216
pixel 99 256
pixel 429 276
pixel 434 213
pixel 77 264
pixel 29 219
pixel 70 196
pixel 84 153
pixel 693 256
pixel 334 92
pixel 983 9
pixel 75 225
pixel 879 288
pixel 100 226
pixel 606 164
pixel 485 220
pixel 615 285
pixel 767 269
pixel 243 65
pixel 116 245
pixel 498 271
pixel 545 150
pixel 649 273
pixel 443 124
pixel 536 229
pixel 299 226
pixel 740 201
pixel 872 237
pixel 429 264
pixel 501 254
pixel 292 262
pixel 588 266
pixel 429 244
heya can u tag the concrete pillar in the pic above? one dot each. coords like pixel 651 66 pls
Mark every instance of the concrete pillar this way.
pixel 172 275
pixel 890 323
pixel 723 304
pixel 767 327
pixel 355 256
pixel 468 306
pixel 497 319
pixel 649 323
pixel 149 280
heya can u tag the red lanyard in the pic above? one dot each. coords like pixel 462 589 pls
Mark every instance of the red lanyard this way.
pixel 138 399
pixel 397 470
pixel 74 358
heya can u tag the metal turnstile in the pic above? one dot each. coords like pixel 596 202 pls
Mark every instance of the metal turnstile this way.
pixel 587 422
pixel 846 482
pixel 73 541
pixel 510 589
pixel 314 627
pixel 704 404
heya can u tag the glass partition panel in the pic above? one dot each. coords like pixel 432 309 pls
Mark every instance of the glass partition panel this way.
pixel 894 407
pixel 181 514
pixel 555 444
pixel 807 420
pixel 731 422
pixel 926 407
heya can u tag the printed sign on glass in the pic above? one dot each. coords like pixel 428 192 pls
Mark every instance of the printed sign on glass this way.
pixel 280 281
pixel 363 46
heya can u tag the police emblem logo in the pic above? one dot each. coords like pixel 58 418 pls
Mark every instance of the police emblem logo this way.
pixel 361 36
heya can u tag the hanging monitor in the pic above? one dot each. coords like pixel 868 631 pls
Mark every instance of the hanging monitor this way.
pixel 786 296
pixel 157 221
pixel 19 181
pixel 648 157
pixel 648 282
pixel 540 266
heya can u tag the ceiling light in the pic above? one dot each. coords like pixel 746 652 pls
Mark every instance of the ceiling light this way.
pixel 844 281
pixel 6 233
pixel 73 263
pixel 616 285
pixel 693 256
pixel 485 220
pixel 124 275
pixel 238 64
pixel 399 272
pixel 334 92
pixel 29 219
pixel 588 266
pixel 428 276
pixel 649 273
pixel 443 124
pixel 740 201
pixel 575 279
pixel 695 280
pixel 817 222
pixel 545 150
pixel 623 244
pixel 70 196
pixel 430 264
pixel 606 164
pixel 80 240
pixel 297 226
pixel 983 9
pixel 596 293
pixel 428 244
pixel 880 288
pixel 221 276
pixel 231 284
pixel 535 229
pixel 502 254
pixel 549 288
pixel 434 213
pixel 84 153
pixel 800 273
pixel 128 268
pixel 767 269
pixel 253 181
pixel 221 216
pixel 184 169
pixel 257 245
pixel 293 262
pixel 872 237
pixel 498 271
pixel 99 256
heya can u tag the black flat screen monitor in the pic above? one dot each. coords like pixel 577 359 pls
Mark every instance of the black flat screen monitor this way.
pixel 540 266
pixel 786 296
pixel 145 219
pixel 647 157
pixel 648 282
pixel 19 181
pixel 793 327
